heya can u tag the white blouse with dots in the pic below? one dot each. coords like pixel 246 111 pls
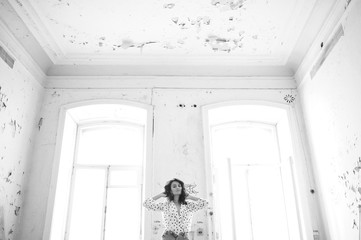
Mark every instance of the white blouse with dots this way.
pixel 172 220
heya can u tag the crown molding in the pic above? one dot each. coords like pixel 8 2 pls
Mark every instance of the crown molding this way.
pixel 182 82
pixel 337 15
pixel 209 70
pixel 11 44
pixel 28 13
pixel 296 24
pixel 130 59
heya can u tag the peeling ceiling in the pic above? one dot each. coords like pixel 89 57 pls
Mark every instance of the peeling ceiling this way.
pixel 228 32
pixel 163 27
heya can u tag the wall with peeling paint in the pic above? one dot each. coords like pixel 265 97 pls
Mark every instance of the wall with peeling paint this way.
pixel 177 143
pixel 331 105
pixel 20 96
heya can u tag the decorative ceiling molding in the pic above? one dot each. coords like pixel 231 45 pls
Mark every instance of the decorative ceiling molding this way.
pixel 170 70
pixel 334 20
pixel 40 31
pixel 11 45
pixel 98 59
pixel 136 82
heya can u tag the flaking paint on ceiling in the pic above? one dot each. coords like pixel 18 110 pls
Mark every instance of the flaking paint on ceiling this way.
pixel 158 27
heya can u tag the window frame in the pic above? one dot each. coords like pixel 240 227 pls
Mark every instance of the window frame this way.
pixel 147 168
pixel 76 165
pixel 297 162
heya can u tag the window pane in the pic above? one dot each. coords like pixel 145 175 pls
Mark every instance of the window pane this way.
pixel 123 214
pixel 224 202
pixel 123 177
pixel 88 197
pixel 241 204
pixel 112 144
pixel 267 204
pixel 245 144
pixel 102 112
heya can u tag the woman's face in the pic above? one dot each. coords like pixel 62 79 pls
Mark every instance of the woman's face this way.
pixel 176 188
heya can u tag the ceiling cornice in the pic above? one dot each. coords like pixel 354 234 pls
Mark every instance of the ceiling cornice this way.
pixel 217 65
pixel 28 13
pixel 211 70
pixel 11 44
pixel 331 24
pixel 136 82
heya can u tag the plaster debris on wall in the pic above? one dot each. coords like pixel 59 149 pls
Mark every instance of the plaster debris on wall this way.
pixel 185 149
pixel 226 5
pixel 3 100
pixel 169 5
pixel 7 179
pixel 55 94
pixel 16 211
pixel 200 232
pixel 15 126
pixel 20 96
pixel 350 180
pixel 191 189
pixel 2 227
pixel 40 123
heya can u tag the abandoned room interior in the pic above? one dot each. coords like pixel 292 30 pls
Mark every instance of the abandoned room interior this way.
pixel 254 104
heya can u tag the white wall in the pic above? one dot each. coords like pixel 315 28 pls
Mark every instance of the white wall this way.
pixel 177 143
pixel 20 96
pixel 331 103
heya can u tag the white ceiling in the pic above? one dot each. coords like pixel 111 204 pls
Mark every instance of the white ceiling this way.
pixel 166 37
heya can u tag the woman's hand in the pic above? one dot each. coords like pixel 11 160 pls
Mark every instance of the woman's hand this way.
pixel 191 197
pixel 160 195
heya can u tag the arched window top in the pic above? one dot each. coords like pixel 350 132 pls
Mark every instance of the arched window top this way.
pixel 249 152
pixel 245 112
pixel 97 112
pixel 245 143
pixel 100 158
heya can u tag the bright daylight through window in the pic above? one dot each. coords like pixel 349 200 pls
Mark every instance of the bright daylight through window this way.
pixel 107 178
pixel 105 174
pixel 252 177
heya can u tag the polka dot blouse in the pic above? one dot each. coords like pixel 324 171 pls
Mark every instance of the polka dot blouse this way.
pixel 172 220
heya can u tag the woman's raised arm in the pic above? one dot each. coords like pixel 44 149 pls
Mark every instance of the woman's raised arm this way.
pixel 197 203
pixel 150 203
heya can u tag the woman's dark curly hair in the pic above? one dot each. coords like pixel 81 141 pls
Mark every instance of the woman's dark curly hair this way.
pixel 170 196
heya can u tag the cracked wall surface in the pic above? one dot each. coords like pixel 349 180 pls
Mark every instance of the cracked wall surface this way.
pixel 178 149
pixel 20 96
pixel 331 104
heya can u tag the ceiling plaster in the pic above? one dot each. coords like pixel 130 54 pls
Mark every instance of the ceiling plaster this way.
pixel 165 37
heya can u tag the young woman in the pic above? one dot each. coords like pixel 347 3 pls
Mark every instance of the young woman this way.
pixel 177 211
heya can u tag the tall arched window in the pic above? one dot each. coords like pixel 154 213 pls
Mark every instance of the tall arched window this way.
pixel 99 172
pixel 250 167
